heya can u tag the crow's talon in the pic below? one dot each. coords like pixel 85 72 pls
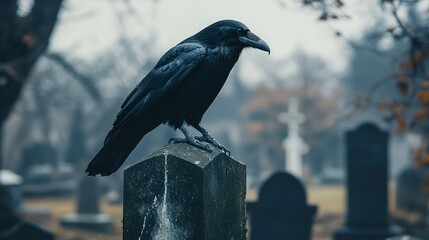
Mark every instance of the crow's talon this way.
pixel 177 140
pixel 200 145
pixel 214 143
pixel 192 141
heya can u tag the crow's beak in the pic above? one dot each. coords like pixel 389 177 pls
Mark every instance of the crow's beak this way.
pixel 254 41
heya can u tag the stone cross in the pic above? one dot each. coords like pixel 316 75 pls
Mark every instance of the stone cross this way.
pixel 294 146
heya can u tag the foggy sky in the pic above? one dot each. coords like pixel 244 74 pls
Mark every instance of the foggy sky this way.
pixel 87 28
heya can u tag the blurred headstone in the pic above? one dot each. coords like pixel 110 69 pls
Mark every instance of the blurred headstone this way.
pixel 332 176
pixel 42 173
pixel 50 180
pixel 410 196
pixel 88 214
pixel 12 226
pixel 13 183
pixel 367 203
pixel 294 146
pixel 282 211
pixel 182 192
pixel 35 154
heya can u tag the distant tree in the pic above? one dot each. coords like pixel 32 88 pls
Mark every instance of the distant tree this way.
pixel 24 37
pixel 408 110
pixel 265 134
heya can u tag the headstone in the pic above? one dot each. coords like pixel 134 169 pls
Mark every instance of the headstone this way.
pixel 367 204
pixel 12 183
pixel 182 192
pixel 35 154
pixel 88 214
pixel 282 211
pixel 293 145
pixel 410 196
pixel 49 180
pixel 43 174
pixel 12 226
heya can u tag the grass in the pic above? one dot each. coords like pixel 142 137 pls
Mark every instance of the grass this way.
pixel 330 201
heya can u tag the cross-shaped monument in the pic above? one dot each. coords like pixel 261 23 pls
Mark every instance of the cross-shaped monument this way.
pixel 294 146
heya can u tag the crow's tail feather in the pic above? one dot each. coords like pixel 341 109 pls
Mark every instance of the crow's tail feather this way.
pixel 116 149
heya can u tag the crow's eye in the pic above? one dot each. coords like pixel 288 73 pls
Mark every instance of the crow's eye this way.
pixel 241 31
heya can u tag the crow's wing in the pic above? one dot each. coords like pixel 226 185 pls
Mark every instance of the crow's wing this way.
pixel 174 67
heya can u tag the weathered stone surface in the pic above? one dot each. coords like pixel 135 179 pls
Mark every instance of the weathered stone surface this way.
pixel 182 192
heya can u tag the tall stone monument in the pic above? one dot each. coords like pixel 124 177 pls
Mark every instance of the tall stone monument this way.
pixel 367 193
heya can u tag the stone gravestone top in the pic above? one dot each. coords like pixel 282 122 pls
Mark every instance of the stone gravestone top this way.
pixel 181 192
pixel 367 168
pixel 282 211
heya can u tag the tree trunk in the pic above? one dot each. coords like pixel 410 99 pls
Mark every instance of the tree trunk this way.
pixel 23 39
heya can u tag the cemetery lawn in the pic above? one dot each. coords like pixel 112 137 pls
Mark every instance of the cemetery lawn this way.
pixel 61 206
pixel 330 201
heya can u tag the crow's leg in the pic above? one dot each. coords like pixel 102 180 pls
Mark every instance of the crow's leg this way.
pixel 208 138
pixel 189 138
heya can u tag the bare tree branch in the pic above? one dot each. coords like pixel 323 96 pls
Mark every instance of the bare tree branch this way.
pixel 85 81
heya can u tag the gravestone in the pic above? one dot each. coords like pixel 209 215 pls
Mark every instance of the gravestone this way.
pixel 183 192
pixel 40 153
pixel 88 215
pixel 410 196
pixel 12 226
pixel 282 211
pixel 12 183
pixel 42 173
pixel 367 204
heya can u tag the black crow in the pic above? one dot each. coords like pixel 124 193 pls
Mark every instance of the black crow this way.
pixel 177 91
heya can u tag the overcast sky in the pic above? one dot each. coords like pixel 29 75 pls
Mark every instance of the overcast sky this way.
pixel 90 27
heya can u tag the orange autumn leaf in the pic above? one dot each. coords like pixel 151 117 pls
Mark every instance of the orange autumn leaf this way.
pixel 421 115
pixel 29 40
pixel 396 110
pixel 424 160
pixel 423 96
pixel 425 188
pixel 402 78
pixel 403 83
pixel 383 105
pixel 411 61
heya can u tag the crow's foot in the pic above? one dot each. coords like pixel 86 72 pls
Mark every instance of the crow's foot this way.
pixel 211 140
pixel 193 141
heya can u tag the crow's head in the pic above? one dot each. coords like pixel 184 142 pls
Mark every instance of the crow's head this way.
pixel 232 34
